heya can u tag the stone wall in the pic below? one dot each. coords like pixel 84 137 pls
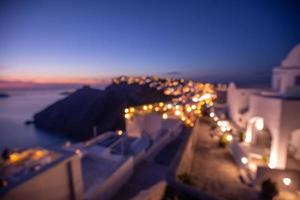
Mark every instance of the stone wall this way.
pixel 182 164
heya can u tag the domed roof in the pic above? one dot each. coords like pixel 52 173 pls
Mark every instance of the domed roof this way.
pixel 293 58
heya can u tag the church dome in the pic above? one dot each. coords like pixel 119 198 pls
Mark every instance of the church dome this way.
pixel 293 58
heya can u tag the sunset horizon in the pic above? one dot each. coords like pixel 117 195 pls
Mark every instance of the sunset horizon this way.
pixel 149 100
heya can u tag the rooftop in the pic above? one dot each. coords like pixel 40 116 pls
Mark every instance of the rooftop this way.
pixel 293 58
pixel 24 164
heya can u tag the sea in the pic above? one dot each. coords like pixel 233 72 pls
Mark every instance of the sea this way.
pixel 21 106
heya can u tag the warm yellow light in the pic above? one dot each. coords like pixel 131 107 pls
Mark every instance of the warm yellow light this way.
pixel 212 114
pixel 150 107
pixel 206 96
pixel 177 112
pixel 165 116
pixel 126 110
pixel 119 132
pixel 169 106
pixel 271 166
pixel 156 109
pixel 14 157
pixel 198 111
pixel 38 154
pixel 194 107
pixel 161 104
pixel 131 109
pixel 287 181
pixel 188 109
pixel 244 160
pixel 229 137
pixel 145 107
pixel 127 116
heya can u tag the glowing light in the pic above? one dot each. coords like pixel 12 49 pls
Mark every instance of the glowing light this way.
pixel 177 112
pixel 195 99
pixel 14 157
pixel 120 132
pixel 248 137
pixel 219 123
pixel 205 97
pixel 259 124
pixel 165 116
pixel 211 114
pixel 229 137
pixel 252 166
pixel 183 93
pixel 189 109
pixel 127 116
pixel 287 181
pixel 38 154
pixel 273 159
pixel 244 160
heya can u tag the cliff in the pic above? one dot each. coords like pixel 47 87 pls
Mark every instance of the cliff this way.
pixel 76 114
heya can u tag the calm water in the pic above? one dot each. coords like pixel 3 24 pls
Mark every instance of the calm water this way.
pixel 18 108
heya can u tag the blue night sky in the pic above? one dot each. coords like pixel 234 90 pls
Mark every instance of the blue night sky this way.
pixel 211 40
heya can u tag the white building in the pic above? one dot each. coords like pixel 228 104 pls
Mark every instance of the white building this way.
pixel 108 160
pixel 271 117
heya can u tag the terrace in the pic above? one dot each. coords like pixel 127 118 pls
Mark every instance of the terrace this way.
pixel 25 163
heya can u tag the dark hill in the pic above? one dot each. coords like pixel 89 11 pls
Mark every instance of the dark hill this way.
pixel 76 114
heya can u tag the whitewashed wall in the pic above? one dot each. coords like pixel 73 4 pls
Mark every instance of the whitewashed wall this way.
pixel 148 122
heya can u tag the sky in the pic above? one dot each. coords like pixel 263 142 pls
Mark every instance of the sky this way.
pixel 88 41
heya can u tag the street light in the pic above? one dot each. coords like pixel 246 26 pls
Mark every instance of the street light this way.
pixel 244 160
pixel 286 181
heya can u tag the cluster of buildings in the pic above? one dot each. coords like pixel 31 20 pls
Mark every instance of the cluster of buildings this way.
pixel 263 128
pixel 188 98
